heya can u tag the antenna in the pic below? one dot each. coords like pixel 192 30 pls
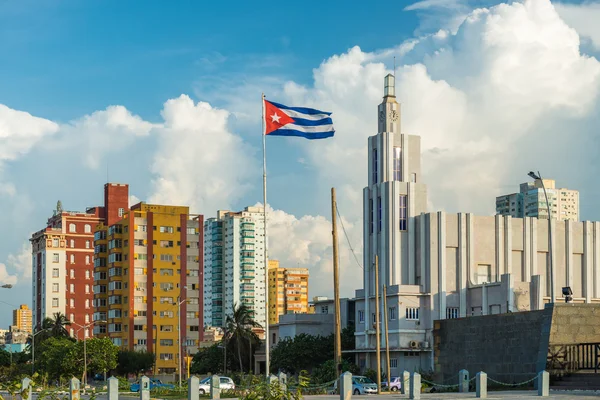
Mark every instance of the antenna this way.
pixel 394 66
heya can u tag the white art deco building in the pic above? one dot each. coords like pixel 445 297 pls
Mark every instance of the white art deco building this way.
pixel 438 265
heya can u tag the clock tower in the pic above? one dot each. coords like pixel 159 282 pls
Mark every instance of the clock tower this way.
pixel 394 196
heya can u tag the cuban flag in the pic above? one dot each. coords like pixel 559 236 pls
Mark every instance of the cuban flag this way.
pixel 308 123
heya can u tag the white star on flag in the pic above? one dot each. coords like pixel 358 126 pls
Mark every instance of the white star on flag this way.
pixel 275 118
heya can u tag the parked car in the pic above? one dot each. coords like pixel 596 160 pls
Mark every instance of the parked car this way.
pixel 225 383
pixel 154 383
pixel 360 385
pixel 395 384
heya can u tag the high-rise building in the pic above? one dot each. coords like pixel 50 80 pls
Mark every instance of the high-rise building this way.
pixel 531 202
pixel 288 291
pixel 234 246
pixel 22 318
pixel 147 282
pixel 63 260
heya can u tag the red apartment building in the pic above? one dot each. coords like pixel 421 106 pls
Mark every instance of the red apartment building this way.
pixel 63 260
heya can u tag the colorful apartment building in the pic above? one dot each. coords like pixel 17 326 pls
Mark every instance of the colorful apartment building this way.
pixel 63 261
pixel 288 291
pixel 234 250
pixel 22 318
pixel 148 274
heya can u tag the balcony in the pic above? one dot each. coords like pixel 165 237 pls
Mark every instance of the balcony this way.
pixel 247 275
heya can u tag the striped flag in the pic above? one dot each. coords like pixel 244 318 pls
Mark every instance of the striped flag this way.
pixel 308 123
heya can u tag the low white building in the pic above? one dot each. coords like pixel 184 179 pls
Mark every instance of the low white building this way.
pixel 440 265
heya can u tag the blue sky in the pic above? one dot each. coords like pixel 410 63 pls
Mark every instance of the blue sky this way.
pixel 101 84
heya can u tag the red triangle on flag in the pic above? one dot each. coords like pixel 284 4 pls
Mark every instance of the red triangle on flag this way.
pixel 275 118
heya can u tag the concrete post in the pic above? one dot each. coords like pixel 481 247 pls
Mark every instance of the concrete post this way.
pixel 193 388
pixel 144 388
pixel 282 381
pixel 26 388
pixel 405 382
pixel 346 386
pixel 463 381
pixel 415 386
pixel 272 379
pixel 215 387
pixel 74 389
pixel 481 385
pixel 113 388
pixel 543 384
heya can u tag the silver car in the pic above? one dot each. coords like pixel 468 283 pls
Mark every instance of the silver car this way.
pixel 225 383
pixel 360 385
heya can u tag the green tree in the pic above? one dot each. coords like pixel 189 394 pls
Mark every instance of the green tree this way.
pixel 239 333
pixel 134 362
pixel 59 357
pixel 5 358
pixel 326 372
pixel 101 355
pixel 209 360
pixel 57 325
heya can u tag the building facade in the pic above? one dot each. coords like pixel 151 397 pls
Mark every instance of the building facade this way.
pixel 234 246
pixel 288 291
pixel 63 261
pixel 148 275
pixel 22 318
pixel 531 202
pixel 440 265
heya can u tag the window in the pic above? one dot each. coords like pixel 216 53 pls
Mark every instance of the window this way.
pixel 412 313
pixel 370 215
pixel 72 228
pixel 166 229
pixel 324 309
pixel 71 303
pixel 72 258
pixel 141 342
pixel 87 303
pixel 72 244
pixel 191 314
pixel 87 244
pixel 166 286
pixel 392 313
pixel 55 288
pixel 193 272
pixel 87 318
pixel 142 228
pixel 166 271
pixel 193 300
pixel 191 231
pixel 87 274
pixel 413 177
pixel 55 302
pixel 166 314
pixel 72 288
pixel 166 243
pixel 121 212
pixel 393 363
pixel 55 272
pixel 142 313
pixel 193 328
pixel 55 243
pixel 55 257
pixel 166 342
pixel 361 316
pixel 484 274
pixel 452 313
pixel 166 257
pixel 138 327
pixel 379 214
pixel 87 228
pixel 72 272
pixel 402 212
pixel 411 354
pixel 397 164
pixel 166 356
pixel 164 300
pixel 375 165
pixel 87 288
pixel 166 328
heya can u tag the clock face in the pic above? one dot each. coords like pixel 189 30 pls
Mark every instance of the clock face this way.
pixel 394 115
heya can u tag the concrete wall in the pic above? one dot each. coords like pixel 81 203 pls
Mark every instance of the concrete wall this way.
pixel 512 347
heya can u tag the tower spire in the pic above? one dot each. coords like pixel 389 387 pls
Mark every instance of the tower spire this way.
pixel 389 89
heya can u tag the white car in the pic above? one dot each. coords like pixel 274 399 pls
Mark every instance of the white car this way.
pixel 225 383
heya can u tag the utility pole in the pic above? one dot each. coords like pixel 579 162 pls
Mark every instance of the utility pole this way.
pixel 387 338
pixel 377 330
pixel 336 289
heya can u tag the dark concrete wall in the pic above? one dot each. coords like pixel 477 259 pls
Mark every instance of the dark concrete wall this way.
pixel 511 347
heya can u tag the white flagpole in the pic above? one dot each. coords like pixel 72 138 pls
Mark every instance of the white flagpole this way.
pixel 266 257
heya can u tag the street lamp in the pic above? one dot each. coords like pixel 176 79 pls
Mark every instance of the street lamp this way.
pixel 179 335
pixel 536 177
pixel 84 327
pixel 33 348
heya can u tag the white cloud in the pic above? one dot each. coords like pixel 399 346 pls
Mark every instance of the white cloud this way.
pixel 584 18
pixel 102 132
pixel 17 268
pixel 200 162
pixel 133 200
pixel 427 4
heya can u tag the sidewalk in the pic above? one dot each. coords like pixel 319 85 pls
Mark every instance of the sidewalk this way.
pixel 516 395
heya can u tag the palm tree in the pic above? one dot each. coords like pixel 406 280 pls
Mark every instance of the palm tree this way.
pixel 239 327
pixel 57 325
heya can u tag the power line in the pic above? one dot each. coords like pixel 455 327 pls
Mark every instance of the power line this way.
pixel 346 235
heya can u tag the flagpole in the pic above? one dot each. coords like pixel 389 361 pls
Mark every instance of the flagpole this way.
pixel 266 257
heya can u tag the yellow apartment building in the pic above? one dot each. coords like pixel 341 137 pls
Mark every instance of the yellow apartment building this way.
pixel 148 272
pixel 288 291
pixel 22 318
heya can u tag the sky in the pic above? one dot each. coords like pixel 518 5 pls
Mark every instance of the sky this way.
pixel 166 97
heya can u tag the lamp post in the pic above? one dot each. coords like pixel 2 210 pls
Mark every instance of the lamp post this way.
pixel 33 335
pixel 536 177
pixel 179 335
pixel 84 327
